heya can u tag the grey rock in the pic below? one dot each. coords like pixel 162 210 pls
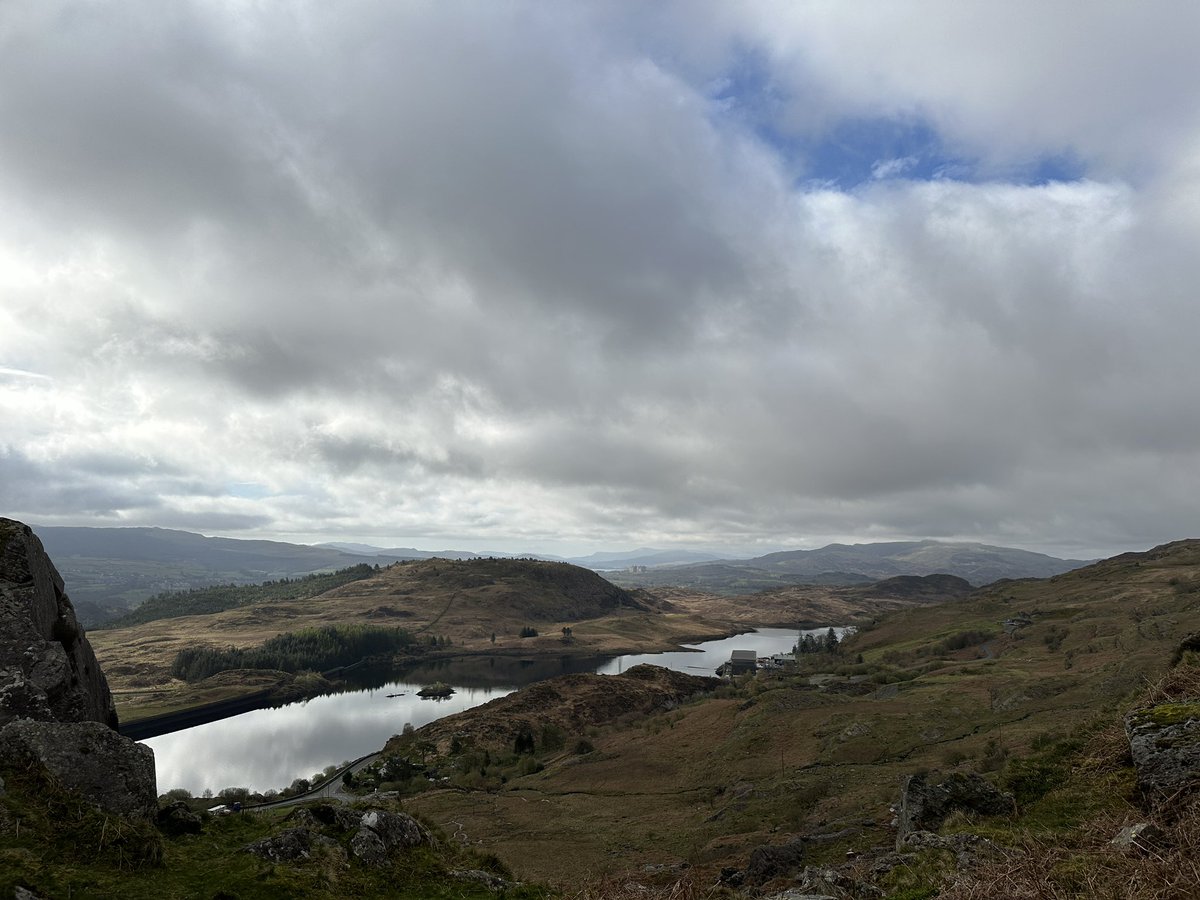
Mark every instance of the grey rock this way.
pixel 20 893
pixel 966 847
pixel 773 861
pixel 327 815
pixel 925 804
pixel 368 847
pixel 396 829
pixel 1164 741
pixel 816 880
pixel 287 846
pixel 477 876
pixel 178 818
pixel 47 668
pixel 2 791
pixel 88 758
pixel 1141 838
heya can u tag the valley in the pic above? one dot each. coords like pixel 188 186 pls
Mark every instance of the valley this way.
pixel 678 783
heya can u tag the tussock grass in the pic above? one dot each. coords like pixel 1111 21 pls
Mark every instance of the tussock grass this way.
pixel 687 887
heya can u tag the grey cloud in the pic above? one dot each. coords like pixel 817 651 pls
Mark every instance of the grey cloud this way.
pixel 515 272
pixel 38 489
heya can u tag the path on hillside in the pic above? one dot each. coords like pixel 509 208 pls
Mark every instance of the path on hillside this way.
pixel 438 617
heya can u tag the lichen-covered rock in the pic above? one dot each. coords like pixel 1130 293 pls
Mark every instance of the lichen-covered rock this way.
pixel 1164 741
pixel 48 671
pixel 966 847
pixel 381 832
pixel 327 814
pixel 367 846
pixel 88 758
pixel 287 846
pixel 924 805
pixel 478 876
pixel 396 830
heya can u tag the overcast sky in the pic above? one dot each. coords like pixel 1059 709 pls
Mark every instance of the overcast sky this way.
pixel 566 276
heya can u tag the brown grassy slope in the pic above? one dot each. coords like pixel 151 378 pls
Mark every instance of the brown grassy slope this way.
pixel 575 704
pixel 708 782
pixel 466 601
pixel 807 605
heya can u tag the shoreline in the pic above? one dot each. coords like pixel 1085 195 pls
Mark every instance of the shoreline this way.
pixel 285 690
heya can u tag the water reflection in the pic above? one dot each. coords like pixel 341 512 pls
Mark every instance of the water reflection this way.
pixel 269 748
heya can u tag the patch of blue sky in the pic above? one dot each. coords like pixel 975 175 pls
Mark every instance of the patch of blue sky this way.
pixel 248 490
pixel 860 151
pixel 853 151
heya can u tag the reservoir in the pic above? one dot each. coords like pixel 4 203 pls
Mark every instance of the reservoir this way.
pixel 269 748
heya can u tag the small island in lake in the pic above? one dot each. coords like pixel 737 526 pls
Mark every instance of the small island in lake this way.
pixel 437 690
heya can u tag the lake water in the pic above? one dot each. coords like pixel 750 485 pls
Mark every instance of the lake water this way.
pixel 269 748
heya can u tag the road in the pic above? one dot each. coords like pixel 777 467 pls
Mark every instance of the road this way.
pixel 329 789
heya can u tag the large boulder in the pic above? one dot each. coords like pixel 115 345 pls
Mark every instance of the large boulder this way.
pixel 292 845
pixel 382 832
pixel 48 671
pixel 1164 741
pixel 87 758
pixel 774 861
pixel 925 804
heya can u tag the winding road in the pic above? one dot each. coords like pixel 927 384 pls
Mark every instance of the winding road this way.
pixel 329 789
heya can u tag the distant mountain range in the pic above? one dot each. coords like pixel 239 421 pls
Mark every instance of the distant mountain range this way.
pixel 110 570
pixel 978 564
pixel 645 556
pixel 604 561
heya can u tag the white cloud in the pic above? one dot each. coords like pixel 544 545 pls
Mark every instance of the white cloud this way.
pixel 514 277
pixel 892 168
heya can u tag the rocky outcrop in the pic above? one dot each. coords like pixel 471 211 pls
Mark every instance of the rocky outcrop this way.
pixel 178 818
pixel 56 712
pixel 88 758
pixel 773 861
pixel 925 804
pixel 382 832
pixel 292 845
pixel 1164 741
pixel 376 834
pixel 48 671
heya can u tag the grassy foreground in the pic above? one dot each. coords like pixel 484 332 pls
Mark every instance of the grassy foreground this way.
pixel 57 846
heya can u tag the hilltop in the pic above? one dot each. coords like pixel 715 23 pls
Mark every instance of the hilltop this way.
pixel 488 606
pixel 477 605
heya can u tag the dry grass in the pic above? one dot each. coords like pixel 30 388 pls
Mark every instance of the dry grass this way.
pixel 713 781
pixel 1089 867
pixel 628 887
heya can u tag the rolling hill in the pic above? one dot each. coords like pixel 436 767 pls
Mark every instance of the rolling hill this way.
pixel 979 564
